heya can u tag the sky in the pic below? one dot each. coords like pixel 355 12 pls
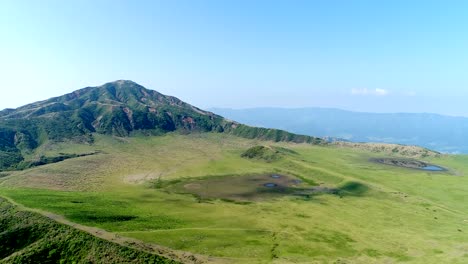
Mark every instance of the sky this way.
pixel 374 56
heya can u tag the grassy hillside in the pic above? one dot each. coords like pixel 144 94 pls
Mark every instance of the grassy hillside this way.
pixel 120 108
pixel 341 208
pixel 28 237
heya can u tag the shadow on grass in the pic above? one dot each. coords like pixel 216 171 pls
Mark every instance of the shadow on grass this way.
pixel 101 218
pixel 352 189
pixel 349 189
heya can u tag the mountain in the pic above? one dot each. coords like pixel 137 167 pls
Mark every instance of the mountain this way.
pixel 116 108
pixel 121 108
pixel 438 132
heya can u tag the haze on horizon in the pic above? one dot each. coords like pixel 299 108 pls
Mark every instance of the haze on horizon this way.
pixel 394 56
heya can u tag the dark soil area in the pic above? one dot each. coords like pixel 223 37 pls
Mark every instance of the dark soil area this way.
pixel 258 187
pixel 239 188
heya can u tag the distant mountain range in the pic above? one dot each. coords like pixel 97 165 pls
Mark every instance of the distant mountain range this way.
pixel 442 133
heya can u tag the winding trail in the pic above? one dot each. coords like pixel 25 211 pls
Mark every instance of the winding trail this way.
pixel 211 229
pixel 177 255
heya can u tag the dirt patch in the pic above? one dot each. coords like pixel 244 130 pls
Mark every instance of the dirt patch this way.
pixel 141 177
pixel 238 188
pixel 246 187
pixel 192 186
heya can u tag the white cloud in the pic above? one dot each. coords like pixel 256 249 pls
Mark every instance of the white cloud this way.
pixel 365 91
pixel 381 92
pixel 359 91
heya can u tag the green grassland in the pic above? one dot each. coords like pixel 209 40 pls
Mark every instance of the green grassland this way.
pixel 131 187
pixel 28 237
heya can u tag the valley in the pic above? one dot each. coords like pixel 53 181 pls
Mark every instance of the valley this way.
pixel 131 188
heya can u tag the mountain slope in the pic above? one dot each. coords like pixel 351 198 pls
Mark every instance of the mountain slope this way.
pixel 28 237
pixel 442 133
pixel 120 108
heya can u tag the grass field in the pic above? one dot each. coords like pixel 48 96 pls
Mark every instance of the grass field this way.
pixel 29 237
pixel 381 214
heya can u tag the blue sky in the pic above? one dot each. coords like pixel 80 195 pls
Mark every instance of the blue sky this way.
pixel 377 56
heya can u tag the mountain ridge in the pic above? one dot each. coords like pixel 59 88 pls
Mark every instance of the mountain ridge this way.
pixel 120 108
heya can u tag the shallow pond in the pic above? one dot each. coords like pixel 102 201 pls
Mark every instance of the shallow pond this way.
pixel 432 168
pixel 409 163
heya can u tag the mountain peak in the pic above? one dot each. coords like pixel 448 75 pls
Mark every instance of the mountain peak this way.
pixel 123 84
pixel 118 85
pixel 118 107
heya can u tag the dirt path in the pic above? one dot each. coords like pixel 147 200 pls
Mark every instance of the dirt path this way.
pixel 181 256
pixel 214 229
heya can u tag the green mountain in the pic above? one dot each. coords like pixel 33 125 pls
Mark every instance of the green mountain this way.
pixel 121 108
